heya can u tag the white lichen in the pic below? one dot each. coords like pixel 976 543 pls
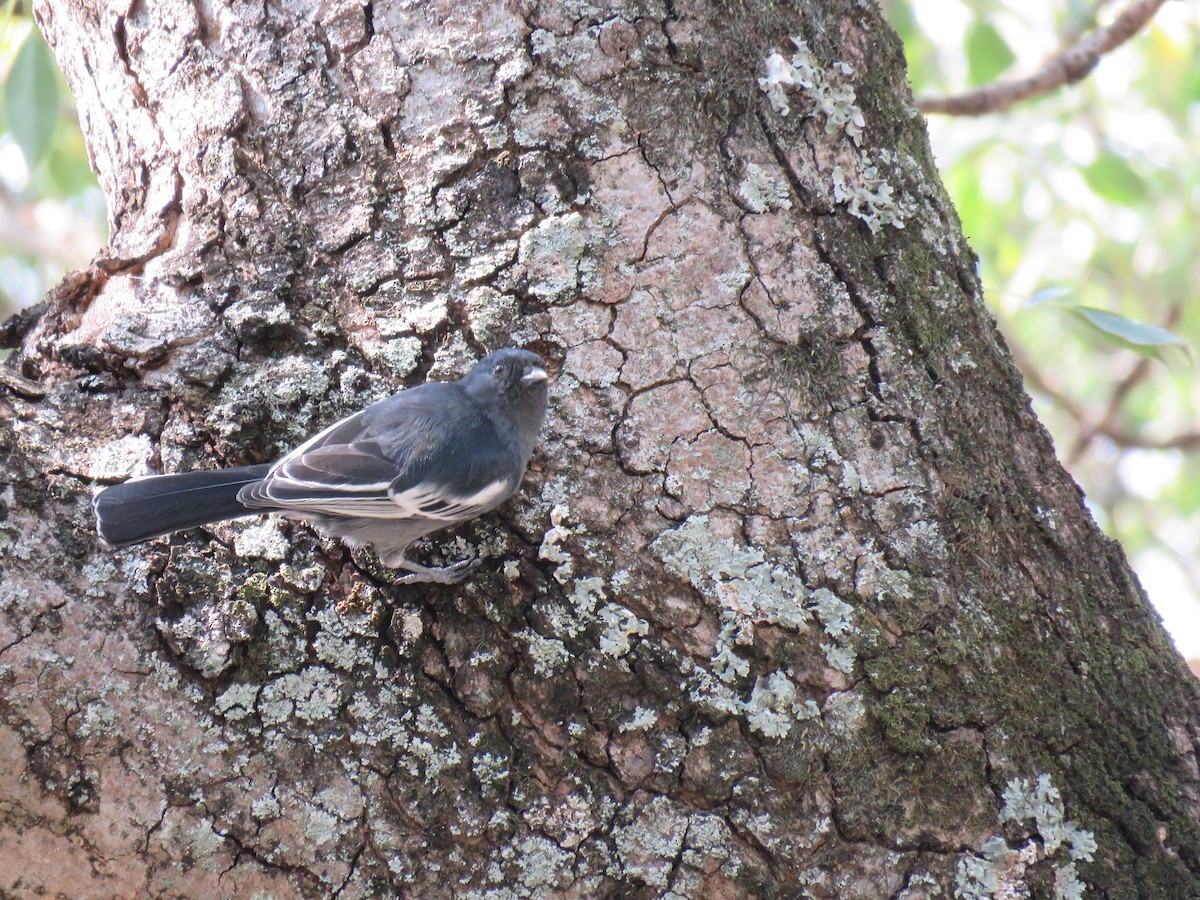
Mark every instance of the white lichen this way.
pixel 547 654
pixel 551 549
pixel 642 719
pixel 490 769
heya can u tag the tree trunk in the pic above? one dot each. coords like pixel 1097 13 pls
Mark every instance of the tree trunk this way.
pixel 796 600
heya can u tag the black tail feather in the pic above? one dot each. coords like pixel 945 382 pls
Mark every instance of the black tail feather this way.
pixel 145 508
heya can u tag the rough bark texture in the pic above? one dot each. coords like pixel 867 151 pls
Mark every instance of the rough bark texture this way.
pixel 796 600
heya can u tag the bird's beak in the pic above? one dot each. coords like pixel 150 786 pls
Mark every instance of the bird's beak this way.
pixel 536 375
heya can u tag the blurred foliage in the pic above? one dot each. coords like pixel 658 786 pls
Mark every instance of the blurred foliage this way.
pixel 1085 202
pixel 52 216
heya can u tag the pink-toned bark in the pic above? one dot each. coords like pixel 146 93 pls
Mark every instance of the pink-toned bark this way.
pixel 796 600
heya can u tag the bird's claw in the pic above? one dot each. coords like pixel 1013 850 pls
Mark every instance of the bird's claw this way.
pixel 432 575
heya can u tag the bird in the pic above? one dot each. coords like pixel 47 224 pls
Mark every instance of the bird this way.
pixel 425 458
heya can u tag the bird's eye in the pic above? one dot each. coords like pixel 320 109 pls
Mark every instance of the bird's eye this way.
pixel 497 370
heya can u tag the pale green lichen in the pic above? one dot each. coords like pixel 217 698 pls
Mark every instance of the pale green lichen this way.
pixel 587 594
pixel 726 664
pixel 13 596
pixel 705 690
pixel 836 102
pixel 311 695
pixel 870 199
pixel 839 657
pixel 287 392
pixel 97 575
pixel 739 577
pixel 125 457
pixel 201 636
pixel 197 839
pixel 97 719
pixel 542 864
pixel 836 617
pixel 259 311
pixel 414 734
pixel 845 714
pixel 421 318
pixel 924 539
pixel 1000 870
pixel 835 614
pixel 345 640
pixel 773 705
pixel 867 194
pixel 763 191
pixel 264 540
pixel 400 355
pixel 320 826
pixel 551 253
pixel 619 626
pixel 379 718
pixel 751 590
pixel 490 314
pixel 286 644
pixel 648 846
pixel 1042 802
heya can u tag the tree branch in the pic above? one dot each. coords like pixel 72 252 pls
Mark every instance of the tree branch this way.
pixel 1066 67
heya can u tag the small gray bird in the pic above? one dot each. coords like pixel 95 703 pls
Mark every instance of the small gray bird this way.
pixel 425 458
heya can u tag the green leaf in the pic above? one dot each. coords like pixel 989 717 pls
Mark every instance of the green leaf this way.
pixel 65 170
pixel 1136 336
pixel 1046 295
pixel 31 99
pixel 988 54
pixel 1112 178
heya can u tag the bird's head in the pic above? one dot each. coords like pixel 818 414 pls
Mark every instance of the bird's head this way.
pixel 515 382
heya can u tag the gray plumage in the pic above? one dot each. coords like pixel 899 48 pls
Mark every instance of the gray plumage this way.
pixel 425 458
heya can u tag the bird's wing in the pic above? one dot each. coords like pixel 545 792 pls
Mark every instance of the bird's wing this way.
pixel 419 454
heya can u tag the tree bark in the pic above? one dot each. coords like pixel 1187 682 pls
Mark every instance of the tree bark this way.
pixel 796 600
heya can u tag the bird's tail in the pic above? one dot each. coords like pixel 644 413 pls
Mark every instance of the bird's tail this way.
pixel 145 508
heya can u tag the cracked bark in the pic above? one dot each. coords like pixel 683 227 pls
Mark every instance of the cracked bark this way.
pixel 796 593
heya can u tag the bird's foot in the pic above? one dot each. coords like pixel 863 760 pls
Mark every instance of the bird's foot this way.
pixel 444 575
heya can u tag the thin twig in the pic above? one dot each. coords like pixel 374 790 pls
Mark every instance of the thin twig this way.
pixel 1065 67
